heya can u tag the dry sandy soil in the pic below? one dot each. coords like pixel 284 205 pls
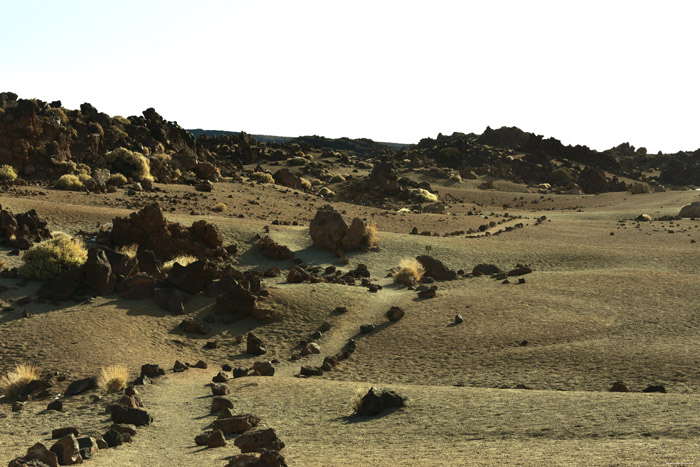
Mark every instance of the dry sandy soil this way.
pixel 608 301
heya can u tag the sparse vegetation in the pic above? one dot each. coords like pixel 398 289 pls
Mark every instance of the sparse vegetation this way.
pixel 262 177
pixel 337 179
pixel 46 260
pixel 305 184
pixel 15 381
pixel 7 173
pixel 562 176
pixel 219 207
pixel 409 272
pixel 183 260
pixel 69 182
pixel 371 237
pixel 113 378
pixel 356 400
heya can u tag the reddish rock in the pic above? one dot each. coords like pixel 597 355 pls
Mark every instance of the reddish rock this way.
pixel 236 424
pixel 273 250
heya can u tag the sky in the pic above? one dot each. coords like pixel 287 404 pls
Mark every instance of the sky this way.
pixel 597 73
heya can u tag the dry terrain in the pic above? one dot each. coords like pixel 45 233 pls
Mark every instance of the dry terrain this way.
pixel 610 299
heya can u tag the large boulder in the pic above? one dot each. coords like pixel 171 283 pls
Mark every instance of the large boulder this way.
pixel 358 235
pixel 67 450
pixel 286 178
pixel 435 269
pixel 129 415
pixel 593 181
pixel 37 453
pixel 98 272
pixel 327 229
pixel 273 250
pixel 22 230
pixel 258 440
pixel 236 423
pixel 690 210
pixel 376 401
pixel 193 278
pixel 149 229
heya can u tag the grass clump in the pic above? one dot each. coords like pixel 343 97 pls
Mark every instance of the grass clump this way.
pixel 17 380
pixel 409 272
pixel 182 260
pixel 219 207
pixel 7 173
pixel 371 237
pixel 48 259
pixel 305 184
pixel 337 179
pixel 132 163
pixel 113 378
pixel 262 177
pixel 69 182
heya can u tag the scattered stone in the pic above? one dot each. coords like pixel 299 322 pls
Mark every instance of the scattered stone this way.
pixel 220 389
pixel 56 405
pixel 428 293
pixel 485 269
pixel 61 432
pixel 655 388
pixel 80 386
pixel 263 369
pixel 271 249
pixel 179 367
pixel 458 319
pixel 395 313
pixel 113 438
pixel 435 269
pixel 124 428
pixel 220 378
pixel 151 370
pixel 37 453
pixel 367 328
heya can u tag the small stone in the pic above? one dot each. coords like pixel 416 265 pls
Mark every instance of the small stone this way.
pixel 458 319
pixel 220 403
pixel 220 389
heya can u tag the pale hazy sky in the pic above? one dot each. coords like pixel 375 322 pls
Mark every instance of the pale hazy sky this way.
pixel 596 72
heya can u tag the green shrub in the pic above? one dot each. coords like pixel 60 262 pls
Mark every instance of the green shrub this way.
pixel 117 180
pixel 7 173
pixel 69 182
pixel 131 163
pixel 562 177
pixel 48 259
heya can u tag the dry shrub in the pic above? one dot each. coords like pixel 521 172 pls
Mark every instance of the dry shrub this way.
pixel 48 259
pixel 130 250
pixel 15 381
pixel 262 177
pixel 7 173
pixel 305 184
pixel 326 192
pixel 409 272
pixel 135 164
pixel 69 182
pixel 219 207
pixel 356 400
pixel 337 178
pixel 117 180
pixel 316 182
pixel 371 237
pixel 182 260
pixel 424 195
pixel 113 378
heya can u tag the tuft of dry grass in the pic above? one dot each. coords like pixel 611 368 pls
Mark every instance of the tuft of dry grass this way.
pixel 129 250
pixel 262 177
pixel 69 182
pixel 113 378
pixel 371 237
pixel 15 381
pixel 356 400
pixel 48 259
pixel 219 207
pixel 305 184
pixel 409 272
pixel 182 260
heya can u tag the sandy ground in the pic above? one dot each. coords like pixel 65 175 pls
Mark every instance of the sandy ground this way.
pixel 610 299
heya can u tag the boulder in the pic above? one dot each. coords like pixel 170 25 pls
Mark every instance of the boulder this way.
pixel 254 345
pixel 357 235
pixel 113 438
pixel 435 269
pixel 520 270
pixel 256 441
pixel 273 250
pixel 98 272
pixel 151 370
pixel 376 401
pixel 212 439
pixel 311 370
pixel 37 453
pixel 286 178
pixel 619 386
pixel 639 188
pixel 297 275
pixel 643 218
pixel 263 369
pixel 171 299
pixel 220 389
pixel 193 278
pixel 236 424
pixel 327 229
pixel 428 293
pixel 485 269
pixel 88 447
pixel 67 450
pixel 133 416
pixel 690 210
pixel 149 229
pixel 61 432
pixel 220 403
pixel 395 313
pixel 267 458
pixel 80 386
pixel 139 287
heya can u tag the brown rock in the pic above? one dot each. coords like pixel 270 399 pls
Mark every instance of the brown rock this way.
pixel 39 453
pixel 236 424
pixel 254 345
pixel 212 439
pixel 220 403
pixel 256 441
pixel 395 313
pixel 327 229
pixel 273 250
pixel 67 450
pixel 435 269
pixel 61 432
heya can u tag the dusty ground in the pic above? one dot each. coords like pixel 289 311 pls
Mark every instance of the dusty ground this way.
pixel 610 299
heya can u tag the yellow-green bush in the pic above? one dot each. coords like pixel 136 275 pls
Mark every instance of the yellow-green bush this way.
pixel 117 180
pixel 16 381
pixel 69 182
pixel 113 378
pixel 133 164
pixel 424 195
pixel 219 207
pixel 409 272
pixel 262 177
pixel 7 173
pixel 305 184
pixel 48 259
